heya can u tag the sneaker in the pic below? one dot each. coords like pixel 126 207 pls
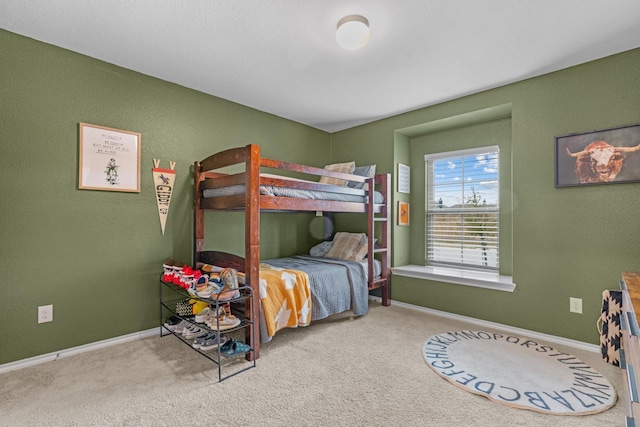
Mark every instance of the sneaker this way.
pixel 229 277
pixel 200 338
pixel 190 329
pixel 209 290
pixel 172 322
pixel 167 275
pixel 179 328
pixel 177 273
pixel 203 315
pixel 211 342
pixel 201 283
pixel 196 331
pixel 222 321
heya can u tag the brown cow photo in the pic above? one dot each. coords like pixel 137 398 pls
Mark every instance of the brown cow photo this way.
pixel 601 157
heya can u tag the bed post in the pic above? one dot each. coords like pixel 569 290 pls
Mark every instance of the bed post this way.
pixel 385 188
pixel 252 241
pixel 371 231
pixel 198 215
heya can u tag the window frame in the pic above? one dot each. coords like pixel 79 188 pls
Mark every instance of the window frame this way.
pixel 429 171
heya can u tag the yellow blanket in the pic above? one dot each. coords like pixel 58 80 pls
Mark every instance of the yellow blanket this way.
pixel 286 298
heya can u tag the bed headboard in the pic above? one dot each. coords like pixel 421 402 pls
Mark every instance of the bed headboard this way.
pixel 222 259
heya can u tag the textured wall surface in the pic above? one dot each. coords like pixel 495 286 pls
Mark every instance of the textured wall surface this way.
pixel 97 255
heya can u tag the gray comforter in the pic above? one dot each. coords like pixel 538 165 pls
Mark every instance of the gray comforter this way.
pixel 268 190
pixel 336 285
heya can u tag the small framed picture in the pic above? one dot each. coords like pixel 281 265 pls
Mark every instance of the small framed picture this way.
pixel 404 181
pixel 109 159
pixel 403 213
pixel 607 156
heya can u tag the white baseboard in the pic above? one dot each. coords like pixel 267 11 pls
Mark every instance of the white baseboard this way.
pixel 523 332
pixel 50 357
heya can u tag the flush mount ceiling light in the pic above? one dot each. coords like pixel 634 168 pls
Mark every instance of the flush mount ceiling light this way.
pixel 353 32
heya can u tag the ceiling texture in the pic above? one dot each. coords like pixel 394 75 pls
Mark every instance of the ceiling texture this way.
pixel 281 56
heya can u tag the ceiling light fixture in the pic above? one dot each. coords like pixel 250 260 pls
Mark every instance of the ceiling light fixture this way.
pixel 353 32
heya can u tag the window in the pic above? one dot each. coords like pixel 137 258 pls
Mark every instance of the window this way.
pixel 463 208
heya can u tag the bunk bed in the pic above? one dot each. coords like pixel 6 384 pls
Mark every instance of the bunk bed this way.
pixel 236 179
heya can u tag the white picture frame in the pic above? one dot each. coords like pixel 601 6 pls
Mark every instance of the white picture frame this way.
pixel 109 159
pixel 404 182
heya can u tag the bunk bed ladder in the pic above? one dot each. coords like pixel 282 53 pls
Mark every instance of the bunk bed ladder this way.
pixel 380 248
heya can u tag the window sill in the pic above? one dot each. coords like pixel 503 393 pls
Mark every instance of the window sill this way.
pixel 457 276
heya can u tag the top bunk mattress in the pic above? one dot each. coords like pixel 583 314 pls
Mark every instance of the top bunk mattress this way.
pixel 270 190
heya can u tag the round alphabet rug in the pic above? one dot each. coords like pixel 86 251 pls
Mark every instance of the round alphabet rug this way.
pixel 519 372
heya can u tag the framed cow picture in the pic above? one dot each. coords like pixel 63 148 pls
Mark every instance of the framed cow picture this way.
pixel 606 156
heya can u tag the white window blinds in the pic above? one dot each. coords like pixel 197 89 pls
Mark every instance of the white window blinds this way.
pixel 463 208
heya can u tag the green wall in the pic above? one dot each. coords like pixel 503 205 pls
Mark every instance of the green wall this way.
pixel 96 255
pixel 567 242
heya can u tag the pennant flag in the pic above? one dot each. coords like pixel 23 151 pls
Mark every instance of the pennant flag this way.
pixel 163 180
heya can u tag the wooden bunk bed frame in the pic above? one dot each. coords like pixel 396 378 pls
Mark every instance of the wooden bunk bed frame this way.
pixel 251 202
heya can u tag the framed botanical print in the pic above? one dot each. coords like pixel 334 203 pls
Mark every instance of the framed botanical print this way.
pixel 109 159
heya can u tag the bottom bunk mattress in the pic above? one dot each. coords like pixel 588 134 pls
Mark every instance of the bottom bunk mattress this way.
pixel 335 285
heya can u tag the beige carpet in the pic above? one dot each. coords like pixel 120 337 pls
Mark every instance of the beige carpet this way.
pixel 342 371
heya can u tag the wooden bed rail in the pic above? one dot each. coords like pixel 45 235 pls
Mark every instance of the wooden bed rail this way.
pixel 225 158
pixel 310 170
pixel 239 155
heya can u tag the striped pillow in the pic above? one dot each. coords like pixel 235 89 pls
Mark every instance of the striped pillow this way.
pixel 338 167
pixel 348 246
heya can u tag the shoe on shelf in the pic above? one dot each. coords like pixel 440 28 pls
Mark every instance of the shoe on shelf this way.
pixel 223 320
pixel 200 338
pixel 172 322
pixel 211 343
pixel 229 277
pixel 194 332
pixel 203 315
pixel 167 275
pixel 205 333
pixel 179 328
pixel 227 345
pixel 201 283
pixel 236 348
pixel 210 289
pixel 187 327
pixel 177 274
pixel 190 329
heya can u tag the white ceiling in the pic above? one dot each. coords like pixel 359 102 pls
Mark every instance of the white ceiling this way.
pixel 280 56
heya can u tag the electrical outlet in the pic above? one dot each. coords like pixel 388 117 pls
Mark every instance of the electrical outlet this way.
pixel 575 305
pixel 45 313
